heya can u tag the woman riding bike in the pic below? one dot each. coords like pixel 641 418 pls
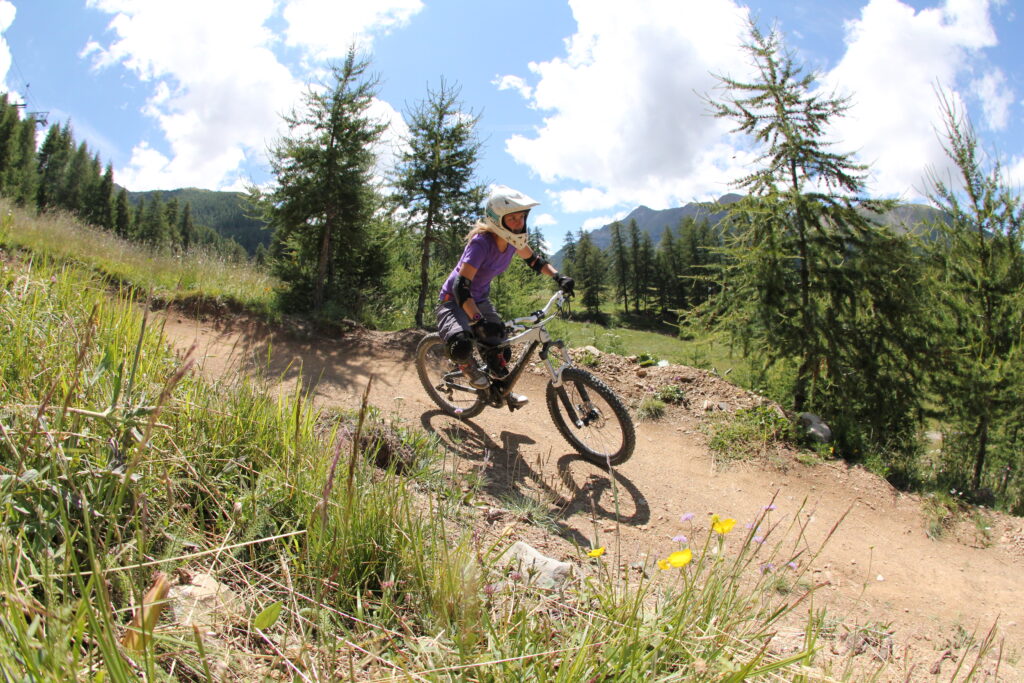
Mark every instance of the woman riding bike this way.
pixel 464 311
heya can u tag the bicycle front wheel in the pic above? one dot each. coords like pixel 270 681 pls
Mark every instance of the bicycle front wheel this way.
pixel 443 381
pixel 591 418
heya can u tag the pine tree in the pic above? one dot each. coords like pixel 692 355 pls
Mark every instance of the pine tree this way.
pixel 54 157
pixel 981 294
pixel 171 218
pixel 21 180
pixel 76 182
pixel 569 248
pixel 645 267
pixel 101 200
pixel 188 229
pixel 122 215
pixel 589 271
pixel 637 285
pixel 435 180
pixel 322 207
pixel 138 220
pixel 622 276
pixel 668 273
pixel 10 122
pixel 809 280
pixel 154 230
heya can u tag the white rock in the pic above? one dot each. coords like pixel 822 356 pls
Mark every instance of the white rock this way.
pixel 540 570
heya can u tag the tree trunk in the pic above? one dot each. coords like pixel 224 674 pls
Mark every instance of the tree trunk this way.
pixel 321 268
pixel 979 454
pixel 421 300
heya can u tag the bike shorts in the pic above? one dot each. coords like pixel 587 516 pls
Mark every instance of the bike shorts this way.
pixel 451 319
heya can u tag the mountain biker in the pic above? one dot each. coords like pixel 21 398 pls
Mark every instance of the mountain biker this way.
pixel 464 311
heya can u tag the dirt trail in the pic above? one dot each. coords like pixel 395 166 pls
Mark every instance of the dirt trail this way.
pixel 880 566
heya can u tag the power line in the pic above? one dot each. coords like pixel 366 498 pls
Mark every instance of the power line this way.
pixel 26 87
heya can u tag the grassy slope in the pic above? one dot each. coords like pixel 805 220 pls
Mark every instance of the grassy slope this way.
pixel 60 239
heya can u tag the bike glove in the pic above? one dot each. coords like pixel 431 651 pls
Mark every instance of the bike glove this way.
pixel 565 283
pixel 489 331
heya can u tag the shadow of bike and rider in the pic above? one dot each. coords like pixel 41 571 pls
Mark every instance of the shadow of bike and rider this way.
pixel 577 492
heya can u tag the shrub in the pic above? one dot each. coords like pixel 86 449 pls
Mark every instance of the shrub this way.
pixel 671 393
pixel 650 408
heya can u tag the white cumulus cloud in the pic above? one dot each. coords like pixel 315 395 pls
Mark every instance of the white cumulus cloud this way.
pixel 624 122
pixel 996 98
pixel 896 58
pixel 7 12
pixel 517 83
pixel 217 85
pixel 326 28
pixel 624 116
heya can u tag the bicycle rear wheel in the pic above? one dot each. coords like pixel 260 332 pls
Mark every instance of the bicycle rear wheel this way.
pixel 591 418
pixel 443 381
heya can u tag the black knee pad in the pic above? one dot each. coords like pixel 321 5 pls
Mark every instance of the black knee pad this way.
pixel 460 348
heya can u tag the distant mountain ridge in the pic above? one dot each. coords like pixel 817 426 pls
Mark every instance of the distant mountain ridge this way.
pixel 904 218
pixel 222 211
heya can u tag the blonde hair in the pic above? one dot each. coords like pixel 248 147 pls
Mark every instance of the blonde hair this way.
pixel 478 228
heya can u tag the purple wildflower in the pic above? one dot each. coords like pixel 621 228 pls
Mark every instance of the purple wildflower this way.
pixel 759 539
pixel 767 567
pixel 687 517
pixel 792 565
pixel 769 508
pixel 679 539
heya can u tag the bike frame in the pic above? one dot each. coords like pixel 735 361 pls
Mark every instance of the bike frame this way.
pixel 530 330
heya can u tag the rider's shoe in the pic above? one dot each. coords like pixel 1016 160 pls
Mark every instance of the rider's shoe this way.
pixel 517 401
pixel 475 376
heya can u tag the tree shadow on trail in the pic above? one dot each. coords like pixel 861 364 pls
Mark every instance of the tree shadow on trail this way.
pixel 572 485
pixel 317 362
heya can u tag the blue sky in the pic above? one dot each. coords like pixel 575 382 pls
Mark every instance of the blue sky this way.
pixel 591 106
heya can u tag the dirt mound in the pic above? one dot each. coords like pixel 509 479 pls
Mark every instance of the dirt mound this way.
pixel 704 391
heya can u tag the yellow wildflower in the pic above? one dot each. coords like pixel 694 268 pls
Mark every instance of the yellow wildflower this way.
pixel 596 552
pixel 680 558
pixel 722 526
pixel 663 564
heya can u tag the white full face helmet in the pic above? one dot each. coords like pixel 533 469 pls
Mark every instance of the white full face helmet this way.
pixel 503 201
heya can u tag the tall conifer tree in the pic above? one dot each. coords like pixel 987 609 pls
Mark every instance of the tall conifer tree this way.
pixel 809 280
pixel 323 204
pixel 123 215
pixel 620 263
pixel 435 180
pixel 980 381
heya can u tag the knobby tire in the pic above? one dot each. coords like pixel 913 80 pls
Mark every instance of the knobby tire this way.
pixel 613 417
pixel 432 363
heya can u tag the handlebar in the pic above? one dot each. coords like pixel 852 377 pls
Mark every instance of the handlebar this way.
pixel 535 318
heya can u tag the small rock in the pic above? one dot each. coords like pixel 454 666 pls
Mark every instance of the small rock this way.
pixel 205 602
pixel 542 571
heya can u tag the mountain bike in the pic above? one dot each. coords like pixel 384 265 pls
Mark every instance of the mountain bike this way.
pixel 585 410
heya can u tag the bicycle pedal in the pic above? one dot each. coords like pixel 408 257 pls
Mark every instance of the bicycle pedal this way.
pixel 516 401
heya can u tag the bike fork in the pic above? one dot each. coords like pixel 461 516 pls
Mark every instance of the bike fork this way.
pixel 570 411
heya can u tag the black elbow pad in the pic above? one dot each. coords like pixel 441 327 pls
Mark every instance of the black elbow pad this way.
pixel 537 263
pixel 462 290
